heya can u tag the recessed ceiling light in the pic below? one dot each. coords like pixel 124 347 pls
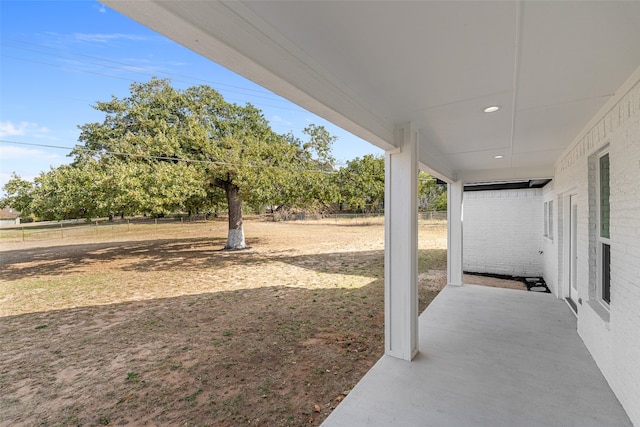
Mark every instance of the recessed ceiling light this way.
pixel 492 109
pixel 499 156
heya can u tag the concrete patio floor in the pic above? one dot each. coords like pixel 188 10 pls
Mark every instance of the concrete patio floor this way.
pixel 488 357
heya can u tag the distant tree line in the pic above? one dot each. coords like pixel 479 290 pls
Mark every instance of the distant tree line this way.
pixel 162 150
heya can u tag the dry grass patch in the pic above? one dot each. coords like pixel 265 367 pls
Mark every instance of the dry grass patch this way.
pixel 157 326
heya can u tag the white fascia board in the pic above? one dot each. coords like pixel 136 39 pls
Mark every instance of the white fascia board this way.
pixel 430 160
pixel 428 168
pixel 236 38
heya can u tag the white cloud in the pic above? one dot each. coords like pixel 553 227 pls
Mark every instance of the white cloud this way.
pixel 146 66
pixel 278 119
pixel 24 128
pixel 9 152
pixel 105 38
pixel 42 132
pixel 100 8
pixel 9 129
pixel 133 60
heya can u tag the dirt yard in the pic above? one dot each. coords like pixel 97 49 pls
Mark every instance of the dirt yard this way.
pixel 155 326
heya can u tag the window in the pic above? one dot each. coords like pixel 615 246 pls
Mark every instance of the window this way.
pixel 548 220
pixel 604 195
pixel 550 232
pixel 606 273
pixel 604 244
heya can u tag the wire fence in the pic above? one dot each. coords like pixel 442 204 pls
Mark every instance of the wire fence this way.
pixel 437 216
pixel 305 216
pixel 82 228
pixel 434 216
pixel 42 231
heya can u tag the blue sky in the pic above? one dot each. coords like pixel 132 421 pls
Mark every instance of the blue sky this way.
pixel 57 58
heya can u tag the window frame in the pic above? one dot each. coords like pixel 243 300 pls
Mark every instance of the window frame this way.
pixel 546 219
pixel 603 243
pixel 550 221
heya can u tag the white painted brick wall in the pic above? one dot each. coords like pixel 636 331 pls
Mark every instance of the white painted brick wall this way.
pixel 614 342
pixel 503 232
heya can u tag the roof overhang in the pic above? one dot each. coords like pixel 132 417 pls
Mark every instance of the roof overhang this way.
pixel 370 66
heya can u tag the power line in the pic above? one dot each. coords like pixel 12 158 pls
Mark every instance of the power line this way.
pixel 136 69
pixel 165 158
pixel 133 80
pixel 35 145
pixel 148 156
pixel 129 65
pixel 177 159
pixel 67 68
pixel 131 69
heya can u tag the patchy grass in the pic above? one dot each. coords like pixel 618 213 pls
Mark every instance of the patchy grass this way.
pixel 159 326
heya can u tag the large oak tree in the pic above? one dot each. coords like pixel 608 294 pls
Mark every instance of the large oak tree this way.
pixel 184 148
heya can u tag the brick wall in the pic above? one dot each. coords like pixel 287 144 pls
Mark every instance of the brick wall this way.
pixel 612 335
pixel 503 232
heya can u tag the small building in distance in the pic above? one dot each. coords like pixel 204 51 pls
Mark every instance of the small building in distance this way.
pixel 9 216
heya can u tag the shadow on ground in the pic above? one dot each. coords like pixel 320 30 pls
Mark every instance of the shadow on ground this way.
pixel 188 254
pixel 273 355
pixel 263 356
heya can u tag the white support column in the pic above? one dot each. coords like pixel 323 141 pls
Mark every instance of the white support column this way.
pixel 401 246
pixel 454 233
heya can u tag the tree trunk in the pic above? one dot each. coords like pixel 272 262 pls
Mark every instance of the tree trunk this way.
pixel 235 237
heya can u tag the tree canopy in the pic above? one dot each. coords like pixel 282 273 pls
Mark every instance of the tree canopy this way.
pixel 162 150
pixel 432 195
pixel 361 183
pixel 361 186
pixel 191 149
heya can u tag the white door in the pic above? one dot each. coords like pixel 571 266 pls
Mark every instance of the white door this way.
pixel 573 252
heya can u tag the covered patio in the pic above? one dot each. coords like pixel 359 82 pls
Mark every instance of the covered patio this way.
pixel 487 357
pixel 473 93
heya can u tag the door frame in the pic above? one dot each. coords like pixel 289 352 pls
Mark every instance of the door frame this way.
pixel 570 251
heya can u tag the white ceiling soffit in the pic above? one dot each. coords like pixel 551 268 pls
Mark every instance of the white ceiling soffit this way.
pixel 369 66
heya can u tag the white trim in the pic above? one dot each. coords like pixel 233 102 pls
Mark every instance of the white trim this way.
pixel 566 243
pixel 546 219
pixel 550 222
pixel 599 239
